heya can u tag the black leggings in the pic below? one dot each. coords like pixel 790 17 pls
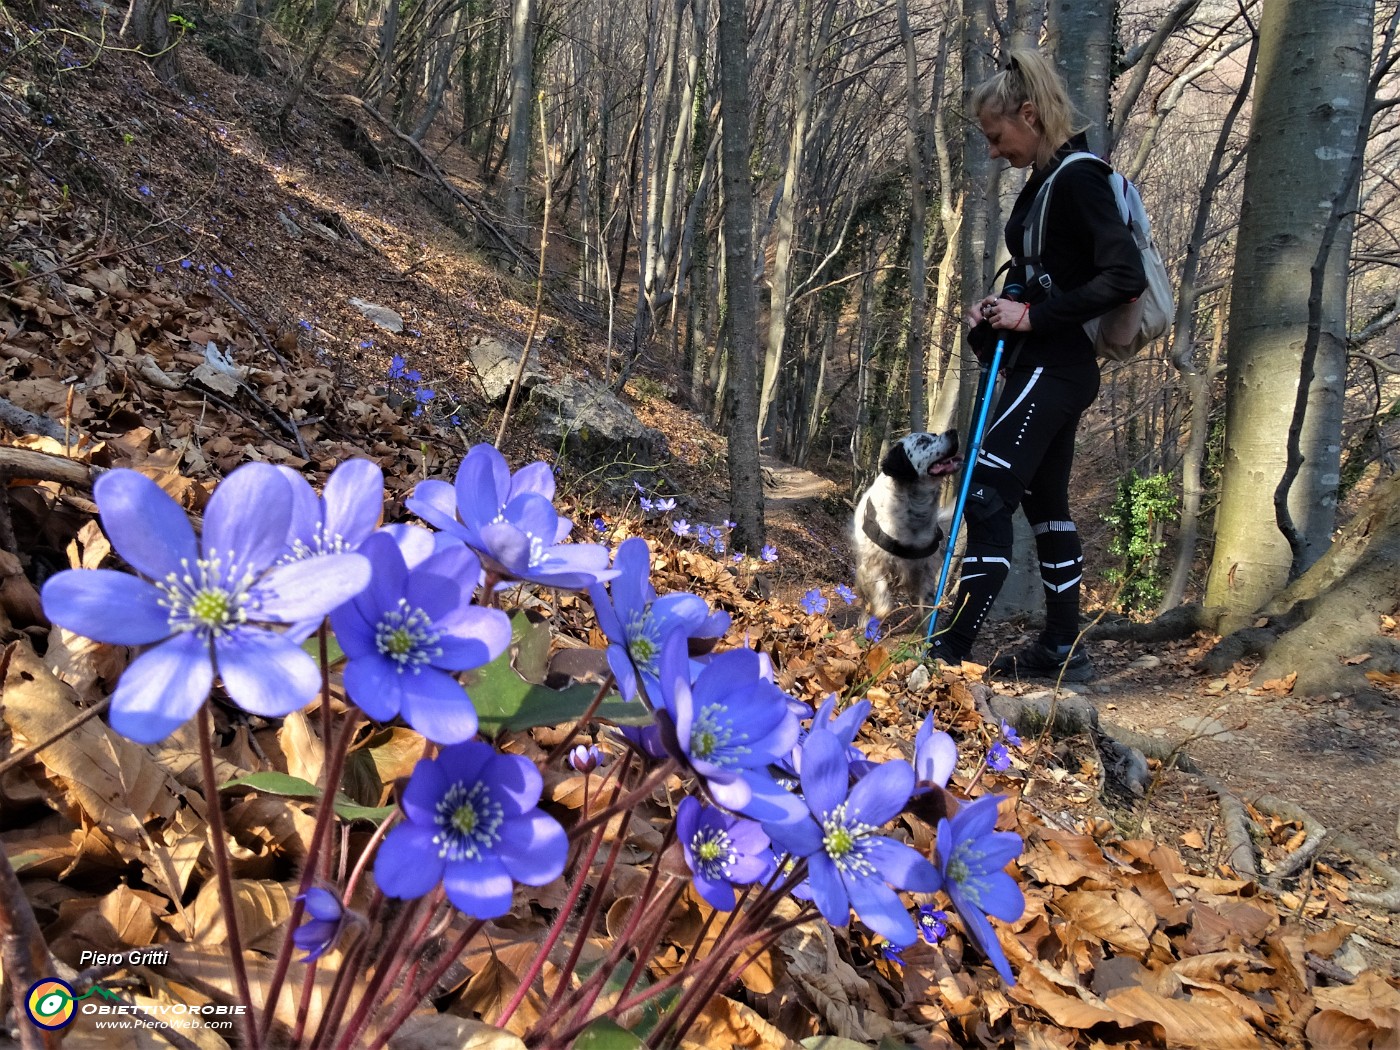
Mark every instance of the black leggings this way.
pixel 1026 456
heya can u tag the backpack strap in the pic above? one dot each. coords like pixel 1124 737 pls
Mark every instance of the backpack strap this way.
pixel 1033 232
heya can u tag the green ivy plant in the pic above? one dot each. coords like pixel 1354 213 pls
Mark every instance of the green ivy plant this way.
pixel 1140 509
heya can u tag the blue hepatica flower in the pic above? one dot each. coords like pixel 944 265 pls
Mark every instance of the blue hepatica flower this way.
pixel 872 629
pixel 933 923
pixel 665 505
pixel 721 850
pixel 1009 734
pixel 319 933
pixel 845 594
pixel 203 603
pixel 971 856
pixel 849 865
pixel 396 367
pixel 585 758
pixel 474 825
pixel 935 755
pixel 730 726
pixel 637 622
pixel 510 521
pixel 998 757
pixel 341 518
pixel 769 553
pixel 813 602
pixel 680 527
pixel 412 629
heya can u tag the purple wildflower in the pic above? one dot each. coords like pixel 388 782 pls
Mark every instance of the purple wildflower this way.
pixel 585 758
pixel 971 855
pixel 412 629
pixel 849 865
pixel 319 933
pixel 998 757
pixel 680 527
pixel 722 851
pixel 205 600
pixel 813 602
pixel 474 825
pixel 845 594
pixel 510 521
pixel 637 623
pixel 769 553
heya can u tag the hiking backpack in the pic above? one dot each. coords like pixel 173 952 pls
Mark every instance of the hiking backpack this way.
pixel 1126 329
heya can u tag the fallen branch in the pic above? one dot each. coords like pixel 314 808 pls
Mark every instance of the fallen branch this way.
pixel 27 422
pixel 24 953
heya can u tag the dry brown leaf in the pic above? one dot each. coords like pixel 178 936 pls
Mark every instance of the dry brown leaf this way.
pixel 1372 999
pixel 1340 1031
pixel 1105 917
pixel 433 1031
pixel 725 1023
pixel 1193 839
pixel 109 779
pixel 1187 1023
pixel 261 906
pixel 303 749
pixel 495 981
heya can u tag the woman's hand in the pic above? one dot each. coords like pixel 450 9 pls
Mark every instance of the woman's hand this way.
pixel 1006 314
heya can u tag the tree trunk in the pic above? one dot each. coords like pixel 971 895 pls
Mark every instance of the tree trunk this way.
pixel 918 211
pixel 1312 84
pixel 745 483
pixel 1330 617
pixel 150 26
pixel 522 68
pixel 1080 37
pixel 806 55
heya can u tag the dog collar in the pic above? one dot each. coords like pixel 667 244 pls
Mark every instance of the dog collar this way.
pixel 887 543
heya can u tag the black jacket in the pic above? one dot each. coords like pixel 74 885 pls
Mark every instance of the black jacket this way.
pixel 1088 251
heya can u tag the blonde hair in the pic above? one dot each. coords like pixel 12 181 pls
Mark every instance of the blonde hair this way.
pixel 1030 77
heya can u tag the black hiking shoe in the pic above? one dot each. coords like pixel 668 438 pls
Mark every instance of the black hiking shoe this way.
pixel 1035 659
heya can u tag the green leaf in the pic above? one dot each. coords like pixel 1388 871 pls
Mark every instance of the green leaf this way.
pixel 607 1034
pixel 334 653
pixel 531 642
pixel 284 785
pixel 505 701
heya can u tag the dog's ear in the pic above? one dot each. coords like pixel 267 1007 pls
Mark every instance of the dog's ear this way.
pixel 897 464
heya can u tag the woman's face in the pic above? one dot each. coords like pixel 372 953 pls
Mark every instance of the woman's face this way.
pixel 1013 137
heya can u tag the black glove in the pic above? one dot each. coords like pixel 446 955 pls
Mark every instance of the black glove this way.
pixel 983 340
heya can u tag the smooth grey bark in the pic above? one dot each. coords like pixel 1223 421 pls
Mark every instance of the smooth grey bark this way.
pixel 745 482
pixel 1079 35
pixel 1314 60
pixel 1199 381
pixel 918 226
pixel 808 45
pixel 522 68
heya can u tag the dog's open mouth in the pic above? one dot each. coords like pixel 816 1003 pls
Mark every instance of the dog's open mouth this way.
pixel 946 466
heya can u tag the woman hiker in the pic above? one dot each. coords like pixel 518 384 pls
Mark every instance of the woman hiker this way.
pixel 1052 378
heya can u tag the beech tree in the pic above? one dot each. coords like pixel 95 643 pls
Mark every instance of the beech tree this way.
pixel 1310 95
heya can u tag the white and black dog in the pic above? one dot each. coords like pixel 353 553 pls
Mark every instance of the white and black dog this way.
pixel 898 530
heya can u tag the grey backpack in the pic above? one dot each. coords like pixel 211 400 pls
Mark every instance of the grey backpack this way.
pixel 1126 329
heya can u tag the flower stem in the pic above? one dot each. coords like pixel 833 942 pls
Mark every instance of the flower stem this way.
pixel 413 994
pixel 325 817
pixel 629 800
pixel 560 748
pixel 251 1035
pixel 561 920
pixel 399 945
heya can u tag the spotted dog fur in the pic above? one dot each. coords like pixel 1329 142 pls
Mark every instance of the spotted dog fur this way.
pixel 897 534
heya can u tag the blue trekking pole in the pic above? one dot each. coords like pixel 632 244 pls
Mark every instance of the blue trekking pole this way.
pixel 987 388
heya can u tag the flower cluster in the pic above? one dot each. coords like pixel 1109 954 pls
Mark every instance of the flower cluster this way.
pixel 769 801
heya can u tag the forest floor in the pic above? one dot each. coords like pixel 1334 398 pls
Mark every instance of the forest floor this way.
pixel 193 219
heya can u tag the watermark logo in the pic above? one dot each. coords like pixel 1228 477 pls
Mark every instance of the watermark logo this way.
pixel 52 1003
